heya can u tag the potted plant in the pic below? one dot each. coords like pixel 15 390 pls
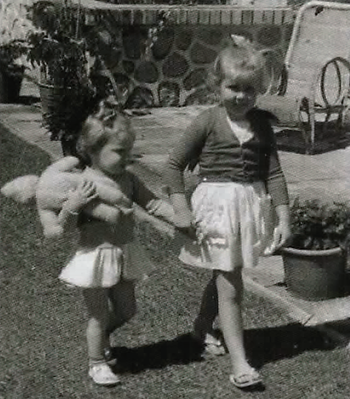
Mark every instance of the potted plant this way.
pixel 11 70
pixel 315 259
pixel 74 69
pixel 61 53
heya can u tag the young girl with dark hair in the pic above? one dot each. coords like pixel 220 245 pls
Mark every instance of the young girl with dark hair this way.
pixel 107 261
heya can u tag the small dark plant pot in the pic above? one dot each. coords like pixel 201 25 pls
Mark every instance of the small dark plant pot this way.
pixel 315 275
pixel 50 95
pixel 10 87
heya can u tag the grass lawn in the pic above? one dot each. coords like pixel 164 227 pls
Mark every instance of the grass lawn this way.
pixel 42 323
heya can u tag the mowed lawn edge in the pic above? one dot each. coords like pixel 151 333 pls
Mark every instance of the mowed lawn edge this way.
pixel 42 330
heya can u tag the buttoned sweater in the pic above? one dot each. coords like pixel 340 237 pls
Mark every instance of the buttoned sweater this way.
pixel 210 142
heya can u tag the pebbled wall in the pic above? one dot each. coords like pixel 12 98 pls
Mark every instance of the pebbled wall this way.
pixel 174 72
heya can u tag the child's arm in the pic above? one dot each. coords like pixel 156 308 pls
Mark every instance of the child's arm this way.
pixel 277 188
pixel 182 211
pixel 111 201
pixel 77 200
pixel 103 212
pixel 150 202
pixel 183 218
pixel 185 153
pixel 282 231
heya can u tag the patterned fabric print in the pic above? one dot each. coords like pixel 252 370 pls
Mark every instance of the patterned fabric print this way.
pixel 234 223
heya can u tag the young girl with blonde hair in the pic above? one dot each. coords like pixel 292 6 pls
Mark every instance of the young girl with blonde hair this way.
pixel 241 187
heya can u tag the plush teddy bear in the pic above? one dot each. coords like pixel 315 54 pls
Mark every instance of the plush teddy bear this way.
pixel 51 189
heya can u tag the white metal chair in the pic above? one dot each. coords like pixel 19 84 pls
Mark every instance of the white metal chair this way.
pixel 314 82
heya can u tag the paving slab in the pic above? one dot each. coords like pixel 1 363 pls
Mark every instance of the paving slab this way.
pixel 270 275
pixel 325 176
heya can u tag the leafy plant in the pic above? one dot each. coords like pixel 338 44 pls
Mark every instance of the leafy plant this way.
pixel 70 57
pixel 10 58
pixel 58 47
pixel 317 225
pixel 61 51
pixel 14 26
pixel 69 54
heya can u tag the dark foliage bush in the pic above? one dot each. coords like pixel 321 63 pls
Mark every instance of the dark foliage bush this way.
pixel 316 225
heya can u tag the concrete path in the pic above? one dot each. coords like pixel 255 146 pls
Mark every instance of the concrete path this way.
pixel 325 176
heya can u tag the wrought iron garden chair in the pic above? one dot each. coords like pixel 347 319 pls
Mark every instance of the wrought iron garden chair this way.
pixel 313 90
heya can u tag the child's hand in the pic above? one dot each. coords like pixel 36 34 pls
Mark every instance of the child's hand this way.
pixel 183 221
pixel 282 232
pixel 281 236
pixel 81 196
pixel 183 218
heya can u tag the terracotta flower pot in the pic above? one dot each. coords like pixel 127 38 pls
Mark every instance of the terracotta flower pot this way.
pixel 315 275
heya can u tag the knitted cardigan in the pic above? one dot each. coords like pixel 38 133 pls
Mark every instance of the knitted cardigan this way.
pixel 210 143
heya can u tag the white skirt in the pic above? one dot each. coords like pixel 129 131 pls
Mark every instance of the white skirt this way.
pixel 106 265
pixel 235 222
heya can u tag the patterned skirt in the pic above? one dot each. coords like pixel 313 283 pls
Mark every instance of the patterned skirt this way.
pixel 235 223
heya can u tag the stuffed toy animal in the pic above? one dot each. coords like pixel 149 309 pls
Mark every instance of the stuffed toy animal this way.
pixel 51 189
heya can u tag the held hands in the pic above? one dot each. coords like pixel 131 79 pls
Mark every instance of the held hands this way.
pixel 184 221
pixel 81 196
pixel 183 218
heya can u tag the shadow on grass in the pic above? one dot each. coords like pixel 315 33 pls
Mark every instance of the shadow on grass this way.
pixel 263 345
pixel 180 350
pixel 268 345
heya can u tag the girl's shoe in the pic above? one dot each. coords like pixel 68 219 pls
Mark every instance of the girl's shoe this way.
pixel 212 345
pixel 101 374
pixel 246 380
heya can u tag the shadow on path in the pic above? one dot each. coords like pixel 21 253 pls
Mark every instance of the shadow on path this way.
pixel 293 141
pixel 28 100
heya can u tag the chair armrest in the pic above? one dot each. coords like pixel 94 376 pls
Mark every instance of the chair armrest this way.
pixel 338 82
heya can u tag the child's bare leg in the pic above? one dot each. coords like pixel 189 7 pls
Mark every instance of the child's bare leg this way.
pixel 230 293
pixel 204 323
pixel 208 310
pixel 96 300
pixel 122 304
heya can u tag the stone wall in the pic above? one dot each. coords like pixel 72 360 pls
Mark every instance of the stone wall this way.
pixel 175 69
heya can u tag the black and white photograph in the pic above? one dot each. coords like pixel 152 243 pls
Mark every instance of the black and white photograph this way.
pixel 175 199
